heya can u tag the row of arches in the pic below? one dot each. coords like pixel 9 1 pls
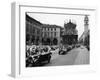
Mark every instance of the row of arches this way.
pixel 44 41
pixel 49 41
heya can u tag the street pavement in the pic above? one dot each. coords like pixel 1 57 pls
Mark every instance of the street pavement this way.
pixel 74 57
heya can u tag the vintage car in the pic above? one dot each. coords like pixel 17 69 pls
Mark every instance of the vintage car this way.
pixel 62 51
pixel 69 48
pixel 43 58
pixel 29 61
pixel 38 59
pixel 78 45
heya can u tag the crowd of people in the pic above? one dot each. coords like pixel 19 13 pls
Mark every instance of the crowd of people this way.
pixel 36 54
pixel 33 50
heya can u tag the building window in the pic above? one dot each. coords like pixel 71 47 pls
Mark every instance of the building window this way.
pixel 38 31
pixel 45 34
pixel 55 29
pixel 42 34
pixel 30 22
pixel 48 34
pixel 48 29
pixel 51 34
pixel 42 29
pixel 51 29
pixel 55 34
pixel 27 27
pixel 33 30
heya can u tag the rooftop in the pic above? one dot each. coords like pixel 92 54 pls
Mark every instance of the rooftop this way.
pixel 50 26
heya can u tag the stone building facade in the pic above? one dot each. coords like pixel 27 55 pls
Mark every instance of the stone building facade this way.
pixel 70 34
pixel 33 31
pixel 46 34
pixel 51 34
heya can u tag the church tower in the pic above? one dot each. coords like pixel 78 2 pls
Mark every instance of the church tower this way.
pixel 82 39
pixel 86 23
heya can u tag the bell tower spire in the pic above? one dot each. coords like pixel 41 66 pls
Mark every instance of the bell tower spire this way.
pixel 86 23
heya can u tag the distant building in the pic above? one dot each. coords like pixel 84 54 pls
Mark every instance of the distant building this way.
pixel 51 34
pixel 84 39
pixel 33 30
pixel 70 34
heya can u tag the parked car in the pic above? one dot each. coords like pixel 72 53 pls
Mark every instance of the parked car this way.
pixel 88 47
pixel 52 48
pixel 37 60
pixel 78 45
pixel 43 58
pixel 29 61
pixel 73 46
pixel 62 51
pixel 69 48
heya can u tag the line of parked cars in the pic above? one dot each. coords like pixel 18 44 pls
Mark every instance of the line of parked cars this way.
pixel 65 49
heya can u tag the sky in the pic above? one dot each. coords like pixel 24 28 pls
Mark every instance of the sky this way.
pixel 59 20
